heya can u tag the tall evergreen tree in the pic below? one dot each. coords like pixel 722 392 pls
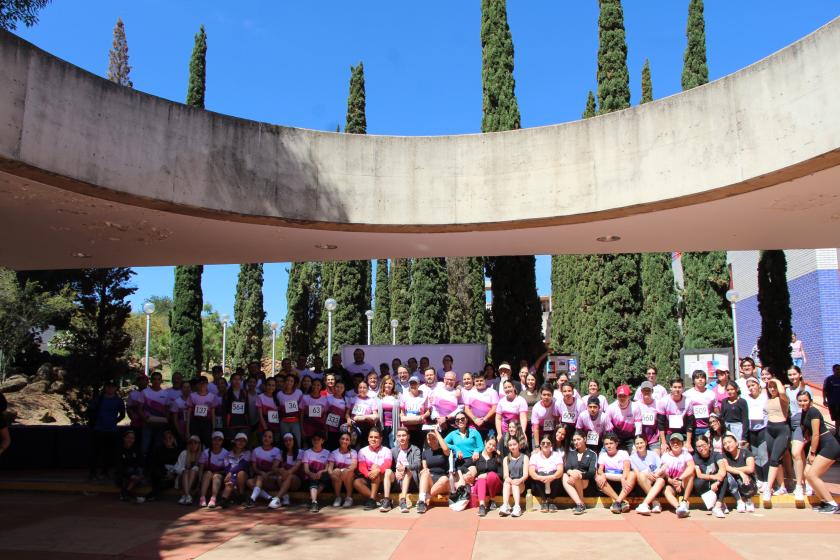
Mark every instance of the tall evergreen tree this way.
pixel 187 336
pixel 613 75
pixel 118 67
pixel 381 329
pixel 303 304
pixel 774 307
pixel 427 323
pixel 516 323
pixel 249 316
pixel 663 339
pixel 401 273
pixel 591 110
pixel 707 312
pixel 466 309
pixel 647 86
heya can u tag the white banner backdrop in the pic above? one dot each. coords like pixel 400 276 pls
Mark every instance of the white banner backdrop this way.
pixel 467 357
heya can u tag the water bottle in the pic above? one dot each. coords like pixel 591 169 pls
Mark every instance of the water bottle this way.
pixel 529 501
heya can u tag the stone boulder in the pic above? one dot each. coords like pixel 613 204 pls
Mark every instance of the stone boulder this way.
pixel 37 387
pixel 57 387
pixel 44 373
pixel 13 383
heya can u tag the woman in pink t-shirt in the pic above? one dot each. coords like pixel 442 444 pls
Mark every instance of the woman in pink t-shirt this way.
pixel 510 407
pixel 342 469
pixel 546 473
pixel 614 467
pixel 677 467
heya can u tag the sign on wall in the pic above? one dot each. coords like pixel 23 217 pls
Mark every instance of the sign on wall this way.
pixel 706 359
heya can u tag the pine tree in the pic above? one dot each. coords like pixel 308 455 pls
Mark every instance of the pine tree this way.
pixel 613 75
pixel 249 316
pixel 187 336
pixel 118 67
pixel 695 69
pixel 466 309
pixel 427 323
pixel 401 298
pixel 516 323
pixel 774 307
pixel 591 110
pixel 381 329
pixel 663 339
pixel 304 305
pixel 647 86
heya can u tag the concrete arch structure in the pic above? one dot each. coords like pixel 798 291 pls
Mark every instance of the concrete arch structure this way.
pixel 93 174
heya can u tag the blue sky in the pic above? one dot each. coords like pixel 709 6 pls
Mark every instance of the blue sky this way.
pixel 288 63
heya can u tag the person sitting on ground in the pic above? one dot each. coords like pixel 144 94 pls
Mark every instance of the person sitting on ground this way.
pixel 213 464
pixel 594 423
pixel 515 470
pixel 546 474
pixel 645 463
pixel 341 468
pixel 677 466
pixel 288 471
pixel 315 462
pixel 374 460
pixel 404 471
pixel 434 478
pixel 614 468
pixel 162 465
pixel 464 441
pixel 483 476
pixel 236 469
pixel 710 475
pixel 129 470
pixel 265 463
pixel 740 469
pixel 187 469
pixel 581 463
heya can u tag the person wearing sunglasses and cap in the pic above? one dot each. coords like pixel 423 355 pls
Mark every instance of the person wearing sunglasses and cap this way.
pixel 505 375
pixel 213 465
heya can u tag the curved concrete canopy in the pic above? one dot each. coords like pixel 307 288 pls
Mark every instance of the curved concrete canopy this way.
pixel 125 178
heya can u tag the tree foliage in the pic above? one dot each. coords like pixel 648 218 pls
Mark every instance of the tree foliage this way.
pixel 118 67
pixel 13 12
pixel 774 307
pixel 401 273
pixel 499 105
pixel 647 86
pixel 185 323
pixel 249 316
pixel 707 322
pixel 663 338
pixel 613 75
pixel 303 304
pixel 198 70
pixel 381 328
pixel 466 308
pixel 427 322
pixel 590 110
pixel 695 68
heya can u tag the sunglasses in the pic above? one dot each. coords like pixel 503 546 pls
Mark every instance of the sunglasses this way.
pixel 461 419
pixel 545 443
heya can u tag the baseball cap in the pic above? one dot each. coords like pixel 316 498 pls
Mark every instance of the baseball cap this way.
pixel 240 435
pixel 676 435
pixel 218 434
pixel 195 438
pixel 504 365
pixel 646 385
pixel 288 435
pixel 623 390
pixel 413 379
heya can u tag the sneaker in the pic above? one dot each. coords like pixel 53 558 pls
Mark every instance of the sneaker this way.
pixel 517 511
pixel 348 502
pixel 403 506
pixel 421 507
pixel 385 505
pixel 656 507
pixel 286 500
pixel 482 510
pixel 139 499
pixel 337 502
pixel 370 504
pixel 741 507
pixel 828 508
pixel 780 491
pixel 274 503
pixel 817 508
pixel 798 494
pixel 808 490
pixel 188 500
pixel 580 509
pixel 212 503
pixel 552 507
pixel 504 511
pixel 625 506
pixel 724 509
pixel 643 509
pixel 314 507
pixel 682 510
pixel 544 507
pixel 202 502
pixel 249 503
pixel 717 512
pixel 767 495
pixel 182 500
pixel 493 505
pixel 750 507
pixel 615 508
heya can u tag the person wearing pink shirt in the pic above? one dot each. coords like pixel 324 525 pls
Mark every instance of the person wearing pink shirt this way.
pixel 594 390
pixel 237 466
pixel 445 402
pixel 677 468
pixel 336 413
pixel 268 410
pixel 313 412
pixel 202 412
pixel 719 390
pixel 658 390
pixel 647 414
pixel 672 415
pixel 374 460
pixel 178 412
pixel 568 408
pixel 431 381
pixel 342 468
pixel 594 423
pixel 543 416
pixel 614 468
pixel 155 414
pixel 701 403
pixel 288 404
pixel 265 461
pixel 134 403
pixel 480 405
pixel 414 411
pixel 625 417
pixel 213 462
pixel 315 462
pixel 363 414
pixel 289 471
pixel 389 407
pixel 510 407
pixel 545 471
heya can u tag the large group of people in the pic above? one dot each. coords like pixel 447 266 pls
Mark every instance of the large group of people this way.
pixel 413 429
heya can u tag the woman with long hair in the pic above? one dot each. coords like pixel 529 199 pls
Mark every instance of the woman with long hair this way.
pixel 824 451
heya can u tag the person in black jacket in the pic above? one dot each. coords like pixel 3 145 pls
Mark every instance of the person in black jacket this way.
pixel 129 472
pixel 580 465
pixel 505 374
pixel 162 465
pixel 104 413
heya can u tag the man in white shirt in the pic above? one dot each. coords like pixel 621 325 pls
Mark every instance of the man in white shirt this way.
pixel 430 376
pixel 659 391
pixel 359 364
pixel 300 368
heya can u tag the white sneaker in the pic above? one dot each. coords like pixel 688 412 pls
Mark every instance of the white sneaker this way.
pixel 780 491
pixel 188 500
pixel 643 509
pixel 286 500
pixel 717 512
pixel 761 486
pixel 798 494
pixel 348 502
pixel 182 500
pixel 337 502
pixel 808 490
pixel 750 507
pixel 140 499
pixel 741 507
pixel 504 510
pixel 656 507
pixel 767 496
pixel 682 510
pixel 274 503
pixel 517 511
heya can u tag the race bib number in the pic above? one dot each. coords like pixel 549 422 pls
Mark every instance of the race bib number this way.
pixel 200 410
pixel 648 418
pixel 412 412
pixel 756 425
pixel 291 407
pixel 333 420
pixel 359 410
pixel 237 407
pixel 273 417
pixel 548 424
pixel 701 411
pixel 315 411
pixel 592 438
pixel 569 417
pixel 675 421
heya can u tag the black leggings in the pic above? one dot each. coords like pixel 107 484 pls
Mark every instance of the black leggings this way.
pixel 538 488
pixel 777 437
pixel 703 486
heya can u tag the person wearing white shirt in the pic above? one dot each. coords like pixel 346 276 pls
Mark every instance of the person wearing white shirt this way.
pixel 359 364
pixel 659 391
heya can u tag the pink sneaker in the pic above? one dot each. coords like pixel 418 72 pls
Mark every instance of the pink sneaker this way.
pixel 202 502
pixel 212 503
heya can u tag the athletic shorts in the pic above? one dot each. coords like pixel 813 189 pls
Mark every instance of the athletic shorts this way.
pixel 436 476
pixel 829 448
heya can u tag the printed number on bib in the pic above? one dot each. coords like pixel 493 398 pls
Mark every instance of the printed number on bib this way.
pixel 675 421
pixel 592 438
pixel 701 411
pixel 333 420
pixel 273 417
pixel 315 411
pixel 291 406
pixel 548 424
pixel 237 407
pixel 648 418
pixel 200 410
pixel 359 410
pixel 569 417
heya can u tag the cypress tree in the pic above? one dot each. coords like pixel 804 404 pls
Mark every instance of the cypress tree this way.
pixel 118 67
pixel 187 297
pixel 381 329
pixel 248 316
pixel 613 75
pixel 303 310
pixel 427 323
pixel 663 339
pixel 707 319
pixel 516 323
pixel 466 309
pixel 774 307
pixel 647 86
pixel 401 298
pixel 590 110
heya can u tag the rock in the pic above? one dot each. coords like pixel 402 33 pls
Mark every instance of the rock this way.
pixel 48 418
pixel 44 373
pixel 13 383
pixel 57 387
pixel 154 363
pixel 60 374
pixel 37 387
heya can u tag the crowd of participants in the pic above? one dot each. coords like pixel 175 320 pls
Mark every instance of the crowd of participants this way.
pixel 414 429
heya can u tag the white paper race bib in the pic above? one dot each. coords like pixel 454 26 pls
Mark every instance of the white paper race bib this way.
pixel 200 410
pixel 548 424
pixel 675 421
pixel 569 417
pixel 359 410
pixel 648 418
pixel 333 420
pixel 315 411
pixel 291 407
pixel 701 411
pixel 237 407
pixel 592 438
pixel 273 417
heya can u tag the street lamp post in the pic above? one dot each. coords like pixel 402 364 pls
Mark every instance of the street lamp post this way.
pixel 369 315
pixel 148 309
pixel 394 324
pixel 225 320
pixel 732 296
pixel 330 306
pixel 273 345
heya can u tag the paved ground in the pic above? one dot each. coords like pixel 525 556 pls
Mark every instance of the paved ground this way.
pixel 44 525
